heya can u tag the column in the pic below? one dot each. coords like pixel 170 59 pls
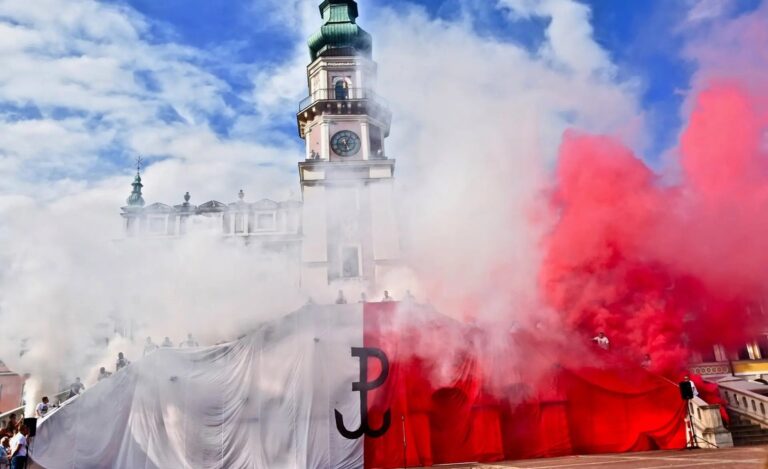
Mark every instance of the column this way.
pixel 365 139
pixel 325 141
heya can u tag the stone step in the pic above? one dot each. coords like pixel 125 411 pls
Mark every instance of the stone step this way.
pixel 745 436
pixel 750 442
pixel 750 428
pixel 744 428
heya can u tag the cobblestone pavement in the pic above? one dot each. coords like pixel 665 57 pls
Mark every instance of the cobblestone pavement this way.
pixel 732 458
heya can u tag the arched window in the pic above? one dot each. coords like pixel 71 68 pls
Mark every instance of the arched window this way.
pixel 342 89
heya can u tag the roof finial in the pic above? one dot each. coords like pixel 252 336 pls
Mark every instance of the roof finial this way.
pixel 241 195
pixel 136 199
pixel 186 198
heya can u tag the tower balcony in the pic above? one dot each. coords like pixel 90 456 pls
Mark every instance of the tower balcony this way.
pixel 341 94
pixel 344 101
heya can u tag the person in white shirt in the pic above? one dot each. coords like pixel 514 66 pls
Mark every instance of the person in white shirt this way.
pixel 646 363
pixel 602 341
pixel 167 342
pixel 42 408
pixel 19 448
pixel 149 346
pixel 387 297
pixel 693 386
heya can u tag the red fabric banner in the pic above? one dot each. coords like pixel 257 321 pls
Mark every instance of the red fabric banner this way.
pixel 442 411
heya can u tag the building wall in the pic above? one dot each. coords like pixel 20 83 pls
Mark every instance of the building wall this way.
pixel 11 389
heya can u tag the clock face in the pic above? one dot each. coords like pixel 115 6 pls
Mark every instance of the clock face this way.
pixel 345 143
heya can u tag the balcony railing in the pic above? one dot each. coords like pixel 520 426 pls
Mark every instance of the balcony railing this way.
pixel 340 94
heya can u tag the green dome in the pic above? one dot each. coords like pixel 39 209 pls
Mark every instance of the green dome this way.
pixel 339 30
pixel 136 199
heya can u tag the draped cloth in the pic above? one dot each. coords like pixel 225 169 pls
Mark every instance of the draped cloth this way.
pixel 269 400
pixel 454 418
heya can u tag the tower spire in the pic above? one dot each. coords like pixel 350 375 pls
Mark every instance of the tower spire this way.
pixel 136 199
pixel 339 31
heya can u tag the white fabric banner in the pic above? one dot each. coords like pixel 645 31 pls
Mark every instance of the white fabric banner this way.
pixel 265 401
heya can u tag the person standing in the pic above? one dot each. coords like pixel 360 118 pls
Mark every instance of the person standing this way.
pixel 167 342
pixel 42 408
pixel 5 451
pixel 602 341
pixel 190 342
pixel 149 346
pixel 10 429
pixel 693 386
pixel 646 363
pixel 387 298
pixel 19 448
pixel 122 362
pixel 75 388
pixel 341 300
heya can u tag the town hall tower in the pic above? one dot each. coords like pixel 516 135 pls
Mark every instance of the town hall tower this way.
pixel 350 235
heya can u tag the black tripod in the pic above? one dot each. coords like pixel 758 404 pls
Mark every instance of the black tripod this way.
pixel 693 442
pixel 687 393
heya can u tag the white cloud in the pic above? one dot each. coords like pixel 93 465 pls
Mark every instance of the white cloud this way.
pixel 703 10
pixel 570 42
pixel 96 65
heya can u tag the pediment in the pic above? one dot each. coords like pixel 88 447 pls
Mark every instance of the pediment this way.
pixel 213 205
pixel 265 204
pixel 158 208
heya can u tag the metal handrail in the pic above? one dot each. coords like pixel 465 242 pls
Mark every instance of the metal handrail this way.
pixel 339 94
pixel 58 399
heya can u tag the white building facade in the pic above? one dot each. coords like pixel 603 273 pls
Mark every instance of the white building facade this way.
pixel 344 232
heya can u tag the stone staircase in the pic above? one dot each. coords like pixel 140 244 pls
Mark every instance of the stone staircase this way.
pixel 746 433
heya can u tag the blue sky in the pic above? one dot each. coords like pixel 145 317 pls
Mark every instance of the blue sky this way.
pixel 639 35
pixel 200 82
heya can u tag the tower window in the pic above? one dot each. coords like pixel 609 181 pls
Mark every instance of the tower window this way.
pixel 350 262
pixel 342 89
pixel 157 225
pixel 239 223
pixel 265 221
pixel 377 151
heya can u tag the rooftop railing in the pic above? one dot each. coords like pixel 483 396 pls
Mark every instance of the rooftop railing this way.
pixel 340 94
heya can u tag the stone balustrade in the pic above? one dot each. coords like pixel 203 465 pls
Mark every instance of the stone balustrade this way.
pixel 743 400
pixel 708 425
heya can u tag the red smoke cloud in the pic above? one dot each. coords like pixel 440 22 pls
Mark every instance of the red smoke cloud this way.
pixel 665 268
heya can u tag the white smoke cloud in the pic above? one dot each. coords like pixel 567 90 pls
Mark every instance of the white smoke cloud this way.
pixel 476 125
